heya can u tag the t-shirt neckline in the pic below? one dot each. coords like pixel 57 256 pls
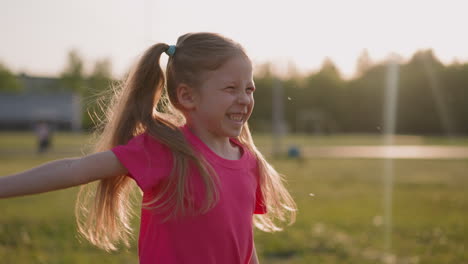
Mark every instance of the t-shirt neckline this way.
pixel 210 154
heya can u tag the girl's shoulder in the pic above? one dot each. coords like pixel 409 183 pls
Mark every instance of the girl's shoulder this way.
pixel 143 145
pixel 144 140
pixel 147 160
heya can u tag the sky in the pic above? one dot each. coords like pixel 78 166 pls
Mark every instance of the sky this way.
pixel 36 36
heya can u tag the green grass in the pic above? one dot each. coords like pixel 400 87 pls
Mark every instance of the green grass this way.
pixel 340 223
pixel 359 139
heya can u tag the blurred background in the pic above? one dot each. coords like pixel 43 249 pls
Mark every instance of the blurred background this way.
pixel 362 105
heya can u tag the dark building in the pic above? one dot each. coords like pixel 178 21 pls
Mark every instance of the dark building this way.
pixel 40 101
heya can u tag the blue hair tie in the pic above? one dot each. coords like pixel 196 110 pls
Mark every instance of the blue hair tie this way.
pixel 171 50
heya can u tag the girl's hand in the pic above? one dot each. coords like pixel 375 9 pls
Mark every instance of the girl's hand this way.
pixel 62 174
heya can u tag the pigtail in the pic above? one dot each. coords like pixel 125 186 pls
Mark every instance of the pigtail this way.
pixel 103 212
pixel 279 203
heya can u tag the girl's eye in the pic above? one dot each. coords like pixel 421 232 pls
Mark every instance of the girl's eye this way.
pixel 250 90
pixel 230 88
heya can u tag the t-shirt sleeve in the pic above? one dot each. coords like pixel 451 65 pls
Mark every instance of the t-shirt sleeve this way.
pixel 260 207
pixel 147 160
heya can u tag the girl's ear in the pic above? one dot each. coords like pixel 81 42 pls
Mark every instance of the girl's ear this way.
pixel 186 96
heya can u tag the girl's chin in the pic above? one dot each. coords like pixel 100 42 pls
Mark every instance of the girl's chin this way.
pixel 235 131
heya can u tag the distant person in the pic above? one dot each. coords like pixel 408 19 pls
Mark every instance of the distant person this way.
pixel 43 134
pixel 201 175
pixel 294 152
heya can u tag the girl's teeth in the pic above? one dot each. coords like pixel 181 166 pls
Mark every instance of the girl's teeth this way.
pixel 236 117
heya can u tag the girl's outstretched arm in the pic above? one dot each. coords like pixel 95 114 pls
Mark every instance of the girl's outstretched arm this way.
pixel 62 174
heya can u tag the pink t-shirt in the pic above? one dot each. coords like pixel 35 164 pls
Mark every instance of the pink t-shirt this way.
pixel 222 235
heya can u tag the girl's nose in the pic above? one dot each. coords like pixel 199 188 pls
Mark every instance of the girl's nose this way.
pixel 244 98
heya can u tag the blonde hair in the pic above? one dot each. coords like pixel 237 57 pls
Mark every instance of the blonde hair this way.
pixel 147 103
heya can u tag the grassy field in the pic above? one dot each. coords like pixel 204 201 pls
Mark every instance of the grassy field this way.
pixel 339 220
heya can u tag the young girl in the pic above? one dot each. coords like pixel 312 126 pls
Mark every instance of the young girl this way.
pixel 192 155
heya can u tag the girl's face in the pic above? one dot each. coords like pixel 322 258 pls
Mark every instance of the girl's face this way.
pixel 224 100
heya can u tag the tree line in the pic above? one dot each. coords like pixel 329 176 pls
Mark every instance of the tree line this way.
pixel 432 97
